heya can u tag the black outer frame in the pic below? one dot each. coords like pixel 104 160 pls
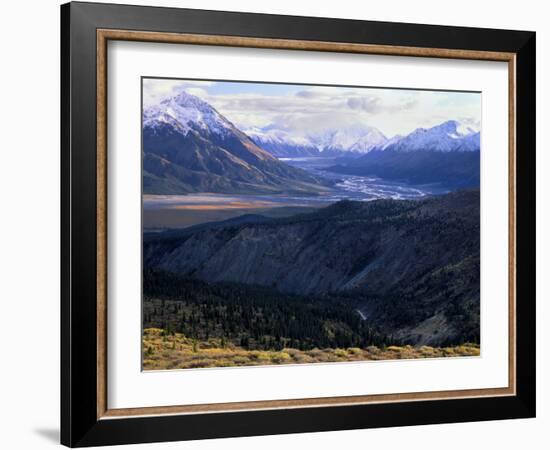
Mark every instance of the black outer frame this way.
pixel 79 424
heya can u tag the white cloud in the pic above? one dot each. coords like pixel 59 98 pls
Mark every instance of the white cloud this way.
pixel 199 92
pixel 368 103
pixel 393 112
pixel 316 108
pixel 155 90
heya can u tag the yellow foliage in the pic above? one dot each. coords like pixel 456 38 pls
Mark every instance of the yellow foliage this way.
pixel 394 348
pixel 262 355
pixel 354 351
pixel 150 331
pixel 280 357
pixel 179 352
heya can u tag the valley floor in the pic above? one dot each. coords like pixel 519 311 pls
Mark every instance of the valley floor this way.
pixel 164 351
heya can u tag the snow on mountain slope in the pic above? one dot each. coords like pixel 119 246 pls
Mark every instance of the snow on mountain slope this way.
pixel 276 137
pixel 186 112
pixel 446 137
pixel 356 138
pixel 447 154
pixel 188 146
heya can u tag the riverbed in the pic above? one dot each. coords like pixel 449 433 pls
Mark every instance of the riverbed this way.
pixel 180 211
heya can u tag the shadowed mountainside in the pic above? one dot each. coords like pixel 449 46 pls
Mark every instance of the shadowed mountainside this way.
pixel 450 169
pixel 446 154
pixel 411 267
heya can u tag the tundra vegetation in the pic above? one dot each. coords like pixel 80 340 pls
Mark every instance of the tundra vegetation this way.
pixel 172 350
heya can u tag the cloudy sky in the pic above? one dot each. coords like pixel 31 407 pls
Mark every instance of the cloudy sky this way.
pixel 302 109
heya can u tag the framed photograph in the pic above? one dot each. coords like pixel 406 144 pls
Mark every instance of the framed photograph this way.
pixel 276 224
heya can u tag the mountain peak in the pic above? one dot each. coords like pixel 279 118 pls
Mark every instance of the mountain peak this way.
pixel 190 147
pixel 187 112
pixel 454 127
pixel 449 125
pixel 450 135
pixel 355 138
pixel 186 100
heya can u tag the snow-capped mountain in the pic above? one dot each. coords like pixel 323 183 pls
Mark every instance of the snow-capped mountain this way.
pixel 446 137
pixel 187 112
pixel 357 139
pixel 390 141
pixel 447 154
pixel 281 144
pixel 188 146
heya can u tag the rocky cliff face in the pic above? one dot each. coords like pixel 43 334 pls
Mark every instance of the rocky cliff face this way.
pixel 411 266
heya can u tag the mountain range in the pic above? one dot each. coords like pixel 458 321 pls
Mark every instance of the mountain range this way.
pixel 360 139
pixel 353 139
pixel 188 146
pixel 412 267
pixel 447 154
pixel 449 136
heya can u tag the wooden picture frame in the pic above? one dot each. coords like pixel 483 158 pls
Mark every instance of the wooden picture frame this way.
pixel 86 418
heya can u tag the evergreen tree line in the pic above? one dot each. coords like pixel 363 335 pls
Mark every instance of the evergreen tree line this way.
pixel 253 317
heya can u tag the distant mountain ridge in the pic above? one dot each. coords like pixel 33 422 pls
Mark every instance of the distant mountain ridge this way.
pixel 447 154
pixel 188 146
pixel 280 144
pixel 449 136
pixel 360 139
pixel 354 139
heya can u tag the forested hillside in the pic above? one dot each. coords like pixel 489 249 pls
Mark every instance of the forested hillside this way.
pixel 410 267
